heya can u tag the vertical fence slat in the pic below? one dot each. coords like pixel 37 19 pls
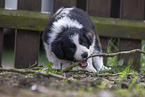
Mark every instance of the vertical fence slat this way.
pixel 130 59
pixel 133 9
pixel 31 5
pixel 104 43
pixel 83 4
pixel 60 3
pixel 101 8
pixel 1 44
pixel 2 2
pixel 26 48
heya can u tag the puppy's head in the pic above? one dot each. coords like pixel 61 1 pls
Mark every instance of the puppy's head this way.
pixel 73 44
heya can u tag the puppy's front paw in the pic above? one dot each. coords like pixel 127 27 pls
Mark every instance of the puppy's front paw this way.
pixel 104 68
pixel 91 70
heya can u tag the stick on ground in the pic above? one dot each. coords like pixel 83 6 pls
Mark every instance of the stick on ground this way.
pixel 33 72
pixel 118 53
pixel 106 55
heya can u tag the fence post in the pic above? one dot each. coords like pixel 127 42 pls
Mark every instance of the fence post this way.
pixel 132 9
pixel 26 48
pixel 101 8
pixel 130 59
pixel 1 44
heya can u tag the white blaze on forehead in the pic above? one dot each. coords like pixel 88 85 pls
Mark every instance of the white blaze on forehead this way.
pixel 80 49
pixel 62 23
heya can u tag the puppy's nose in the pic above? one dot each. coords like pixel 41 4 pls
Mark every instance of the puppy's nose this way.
pixel 84 55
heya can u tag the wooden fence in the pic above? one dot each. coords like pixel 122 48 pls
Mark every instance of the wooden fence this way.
pixel 108 15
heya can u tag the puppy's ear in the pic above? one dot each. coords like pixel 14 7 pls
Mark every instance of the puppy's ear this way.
pixel 88 34
pixel 56 48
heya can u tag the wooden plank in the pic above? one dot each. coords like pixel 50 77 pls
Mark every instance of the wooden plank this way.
pixel 121 32
pixel 36 21
pixel 27 20
pixel 130 59
pixel 104 43
pixel 2 3
pixel 31 5
pixel 133 9
pixel 101 8
pixel 24 13
pixel 60 3
pixel 23 23
pixel 1 44
pixel 26 48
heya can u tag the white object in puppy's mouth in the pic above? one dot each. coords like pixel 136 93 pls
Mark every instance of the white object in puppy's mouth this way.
pixel 83 64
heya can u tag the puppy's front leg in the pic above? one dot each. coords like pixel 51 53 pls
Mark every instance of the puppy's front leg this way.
pixel 90 65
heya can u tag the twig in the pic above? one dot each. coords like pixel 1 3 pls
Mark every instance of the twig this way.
pixel 33 65
pixel 33 72
pixel 116 74
pixel 118 53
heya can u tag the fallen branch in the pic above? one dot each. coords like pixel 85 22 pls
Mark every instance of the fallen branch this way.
pixel 105 55
pixel 118 53
pixel 33 72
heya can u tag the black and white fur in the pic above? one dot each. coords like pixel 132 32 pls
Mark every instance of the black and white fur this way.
pixel 71 36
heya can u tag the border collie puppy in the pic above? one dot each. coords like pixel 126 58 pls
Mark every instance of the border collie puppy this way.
pixel 70 36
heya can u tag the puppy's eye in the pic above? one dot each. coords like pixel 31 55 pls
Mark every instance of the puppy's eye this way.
pixel 72 46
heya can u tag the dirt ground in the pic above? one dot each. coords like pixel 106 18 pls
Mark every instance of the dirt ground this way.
pixel 83 84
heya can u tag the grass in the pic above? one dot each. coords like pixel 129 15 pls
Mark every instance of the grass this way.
pixel 128 83
pixel 143 56
pixel 134 87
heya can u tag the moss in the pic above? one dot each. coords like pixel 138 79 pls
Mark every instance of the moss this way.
pixel 118 31
pixel 25 23
pixel 29 20
pixel 22 13
pixel 124 22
